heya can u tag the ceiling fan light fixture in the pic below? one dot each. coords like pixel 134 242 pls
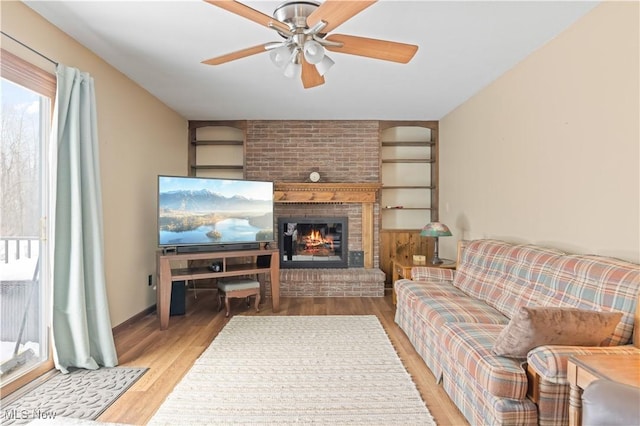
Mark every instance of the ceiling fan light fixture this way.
pixel 324 65
pixel 293 67
pixel 305 26
pixel 313 52
pixel 280 56
pixel 292 70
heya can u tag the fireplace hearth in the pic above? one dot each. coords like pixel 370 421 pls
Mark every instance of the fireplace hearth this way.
pixel 313 242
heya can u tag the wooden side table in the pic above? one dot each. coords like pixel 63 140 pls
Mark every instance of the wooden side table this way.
pixel 402 269
pixel 584 369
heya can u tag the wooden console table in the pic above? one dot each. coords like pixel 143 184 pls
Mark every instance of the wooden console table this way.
pixel 166 275
pixel 584 369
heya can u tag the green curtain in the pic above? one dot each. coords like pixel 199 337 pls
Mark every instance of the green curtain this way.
pixel 82 335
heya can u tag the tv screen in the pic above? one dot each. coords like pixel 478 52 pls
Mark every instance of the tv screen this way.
pixel 213 211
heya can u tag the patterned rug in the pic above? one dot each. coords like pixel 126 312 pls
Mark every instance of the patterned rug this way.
pixel 297 369
pixel 81 394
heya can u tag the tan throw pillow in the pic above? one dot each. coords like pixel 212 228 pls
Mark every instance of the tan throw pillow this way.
pixel 537 326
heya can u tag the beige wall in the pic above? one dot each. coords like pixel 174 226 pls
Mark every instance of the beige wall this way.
pixel 140 137
pixel 549 153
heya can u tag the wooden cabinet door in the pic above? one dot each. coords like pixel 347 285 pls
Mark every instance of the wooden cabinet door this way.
pixel 402 244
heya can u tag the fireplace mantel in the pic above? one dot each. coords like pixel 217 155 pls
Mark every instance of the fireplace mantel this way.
pixel 362 193
pixel 293 192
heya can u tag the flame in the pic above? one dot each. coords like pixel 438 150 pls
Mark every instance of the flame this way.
pixel 315 239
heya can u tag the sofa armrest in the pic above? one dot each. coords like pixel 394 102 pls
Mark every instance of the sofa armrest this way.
pixel 426 273
pixel 550 362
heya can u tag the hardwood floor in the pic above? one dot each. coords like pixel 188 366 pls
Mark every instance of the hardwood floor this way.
pixel 169 354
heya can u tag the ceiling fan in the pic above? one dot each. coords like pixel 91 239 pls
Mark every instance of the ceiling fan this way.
pixel 304 25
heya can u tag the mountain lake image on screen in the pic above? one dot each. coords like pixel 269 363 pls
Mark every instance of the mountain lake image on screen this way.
pixel 213 211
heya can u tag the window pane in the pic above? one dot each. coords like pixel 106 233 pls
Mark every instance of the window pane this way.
pixel 25 124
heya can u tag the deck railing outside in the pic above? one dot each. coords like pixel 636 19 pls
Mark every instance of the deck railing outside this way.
pixel 18 263
pixel 15 248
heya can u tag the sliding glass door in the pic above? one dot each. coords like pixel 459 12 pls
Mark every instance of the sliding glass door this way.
pixel 24 286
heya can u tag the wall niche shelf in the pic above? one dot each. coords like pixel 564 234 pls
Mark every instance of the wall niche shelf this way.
pixel 409 192
pixel 409 174
pixel 217 149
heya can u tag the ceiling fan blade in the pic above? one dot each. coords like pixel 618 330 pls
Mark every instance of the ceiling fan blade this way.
pixel 249 13
pixel 237 55
pixel 310 75
pixel 373 48
pixel 335 12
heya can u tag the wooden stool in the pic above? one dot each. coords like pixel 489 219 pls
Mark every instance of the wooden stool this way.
pixel 243 287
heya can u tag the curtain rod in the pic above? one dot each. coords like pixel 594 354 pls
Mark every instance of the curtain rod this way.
pixel 30 48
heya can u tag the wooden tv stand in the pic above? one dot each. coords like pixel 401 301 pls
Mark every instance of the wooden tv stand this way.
pixel 166 275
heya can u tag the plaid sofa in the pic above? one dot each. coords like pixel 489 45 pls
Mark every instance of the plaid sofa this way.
pixel 453 318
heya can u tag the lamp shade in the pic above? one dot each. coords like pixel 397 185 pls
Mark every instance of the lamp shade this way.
pixel 280 56
pixel 435 229
pixel 313 52
pixel 292 70
pixel 293 66
pixel 324 65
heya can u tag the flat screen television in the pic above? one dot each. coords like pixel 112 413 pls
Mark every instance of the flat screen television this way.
pixel 214 213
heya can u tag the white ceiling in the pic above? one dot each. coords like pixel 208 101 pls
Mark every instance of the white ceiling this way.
pixel 463 46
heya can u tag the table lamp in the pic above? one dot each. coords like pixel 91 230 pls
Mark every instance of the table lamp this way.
pixel 435 230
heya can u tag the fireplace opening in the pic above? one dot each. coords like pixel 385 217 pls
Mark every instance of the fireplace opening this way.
pixel 313 242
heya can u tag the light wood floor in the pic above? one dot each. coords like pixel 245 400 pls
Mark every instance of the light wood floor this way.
pixel 169 354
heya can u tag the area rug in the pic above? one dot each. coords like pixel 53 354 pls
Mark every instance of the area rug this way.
pixel 81 394
pixel 297 370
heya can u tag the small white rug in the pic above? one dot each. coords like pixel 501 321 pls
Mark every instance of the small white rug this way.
pixel 297 369
pixel 81 394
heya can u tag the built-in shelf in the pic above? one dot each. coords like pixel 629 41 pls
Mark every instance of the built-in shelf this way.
pixel 407 208
pixel 217 142
pixel 217 167
pixel 408 187
pixel 407 143
pixel 409 174
pixel 212 141
pixel 408 160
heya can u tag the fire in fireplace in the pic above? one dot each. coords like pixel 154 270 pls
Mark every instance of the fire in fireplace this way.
pixel 316 242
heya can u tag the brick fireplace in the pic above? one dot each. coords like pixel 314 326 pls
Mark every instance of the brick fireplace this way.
pixel 346 154
pixel 311 199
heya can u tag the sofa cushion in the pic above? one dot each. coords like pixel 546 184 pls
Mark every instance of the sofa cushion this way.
pixel 597 283
pixel 426 273
pixel 419 289
pixel 437 309
pixel 423 306
pixel 536 326
pixel 470 346
pixel 526 268
pixel 505 276
pixel 409 291
pixel 481 265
